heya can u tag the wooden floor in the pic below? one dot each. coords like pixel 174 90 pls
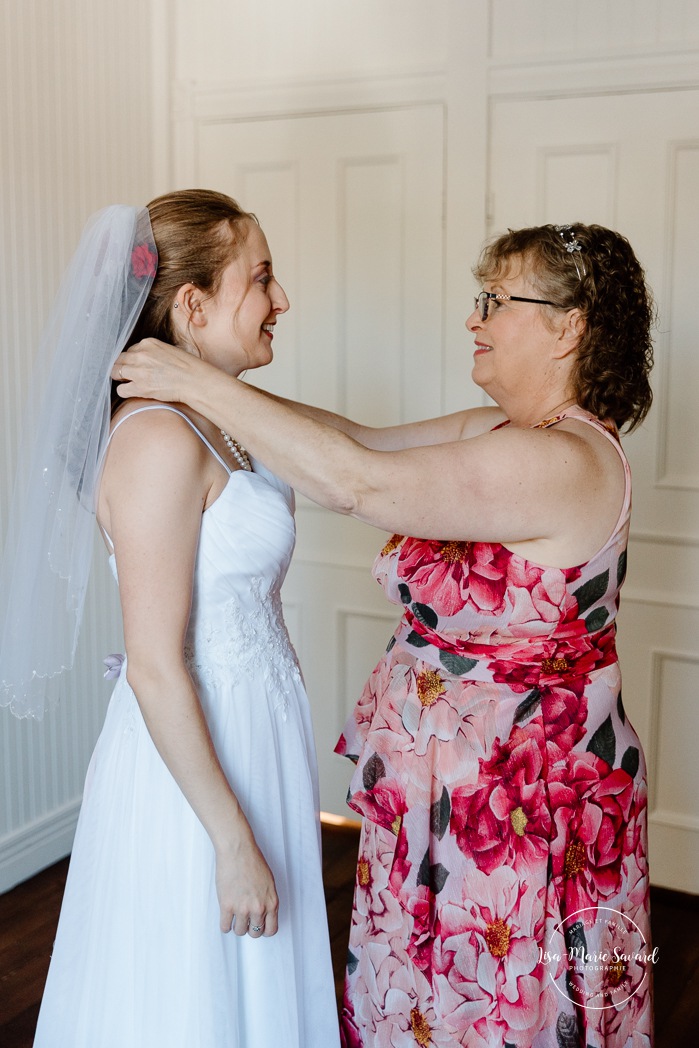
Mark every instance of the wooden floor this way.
pixel 28 916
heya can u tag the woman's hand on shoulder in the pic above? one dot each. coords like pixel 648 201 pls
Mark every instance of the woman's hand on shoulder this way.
pixel 157 370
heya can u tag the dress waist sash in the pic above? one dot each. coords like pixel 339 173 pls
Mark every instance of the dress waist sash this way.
pixel 519 661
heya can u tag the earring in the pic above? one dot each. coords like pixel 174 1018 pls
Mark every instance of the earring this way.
pixel 175 305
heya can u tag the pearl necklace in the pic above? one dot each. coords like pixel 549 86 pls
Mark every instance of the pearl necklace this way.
pixel 237 451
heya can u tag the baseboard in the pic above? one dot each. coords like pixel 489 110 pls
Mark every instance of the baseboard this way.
pixel 37 845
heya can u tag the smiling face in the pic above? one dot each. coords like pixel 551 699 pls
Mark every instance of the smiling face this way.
pixel 522 349
pixel 234 328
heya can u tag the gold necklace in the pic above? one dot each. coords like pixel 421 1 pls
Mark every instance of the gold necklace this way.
pixel 561 410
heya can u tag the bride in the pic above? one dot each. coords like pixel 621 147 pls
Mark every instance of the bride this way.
pixel 195 881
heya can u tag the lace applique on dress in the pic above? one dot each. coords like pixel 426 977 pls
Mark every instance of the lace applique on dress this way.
pixel 252 640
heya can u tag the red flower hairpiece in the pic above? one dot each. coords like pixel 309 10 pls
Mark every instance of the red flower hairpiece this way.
pixel 144 261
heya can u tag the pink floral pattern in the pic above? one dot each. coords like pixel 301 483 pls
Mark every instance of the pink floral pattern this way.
pixel 503 819
pixel 504 801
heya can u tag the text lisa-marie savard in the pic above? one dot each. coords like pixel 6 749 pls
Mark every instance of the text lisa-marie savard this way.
pixel 605 957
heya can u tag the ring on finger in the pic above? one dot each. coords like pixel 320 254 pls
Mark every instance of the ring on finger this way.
pixel 255 927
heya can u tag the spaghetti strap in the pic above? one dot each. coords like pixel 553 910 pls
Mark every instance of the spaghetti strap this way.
pixel 176 411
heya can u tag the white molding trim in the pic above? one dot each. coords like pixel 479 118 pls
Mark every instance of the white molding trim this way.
pixel 665 478
pixel 675 482
pixel 343 614
pixel 660 816
pixel 663 539
pixel 613 74
pixel 194 104
pixel 657 599
pixel 674 820
pixel 242 100
pixel 37 845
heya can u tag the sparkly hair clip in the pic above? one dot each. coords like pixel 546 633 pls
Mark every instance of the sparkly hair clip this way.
pixel 573 247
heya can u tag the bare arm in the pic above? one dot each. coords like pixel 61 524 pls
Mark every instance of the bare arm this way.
pixel 441 430
pixel 153 492
pixel 511 486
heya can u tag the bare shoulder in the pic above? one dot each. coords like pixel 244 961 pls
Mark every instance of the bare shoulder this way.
pixel 577 475
pixel 569 461
pixel 577 437
pixel 153 456
pixel 145 430
pixel 593 449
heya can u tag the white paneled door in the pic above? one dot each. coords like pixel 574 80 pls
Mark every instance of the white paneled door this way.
pixel 626 161
pixel 352 207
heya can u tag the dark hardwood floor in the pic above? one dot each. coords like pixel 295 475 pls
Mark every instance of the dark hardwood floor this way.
pixel 29 912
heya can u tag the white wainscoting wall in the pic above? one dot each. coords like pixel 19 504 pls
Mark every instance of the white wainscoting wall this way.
pixel 75 135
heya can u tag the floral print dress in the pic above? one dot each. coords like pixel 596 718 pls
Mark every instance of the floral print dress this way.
pixel 502 884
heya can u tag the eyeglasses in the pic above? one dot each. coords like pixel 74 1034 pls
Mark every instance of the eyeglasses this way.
pixel 482 301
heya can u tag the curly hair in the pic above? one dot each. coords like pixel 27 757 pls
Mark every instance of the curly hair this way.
pixel 197 232
pixel 608 285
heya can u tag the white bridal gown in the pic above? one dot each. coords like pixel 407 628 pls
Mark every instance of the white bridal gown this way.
pixel 139 960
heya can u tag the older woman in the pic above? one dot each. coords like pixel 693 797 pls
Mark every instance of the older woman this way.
pixel 502 883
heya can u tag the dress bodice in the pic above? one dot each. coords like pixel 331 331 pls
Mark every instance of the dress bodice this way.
pixel 246 541
pixel 467 597
pixel 245 546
